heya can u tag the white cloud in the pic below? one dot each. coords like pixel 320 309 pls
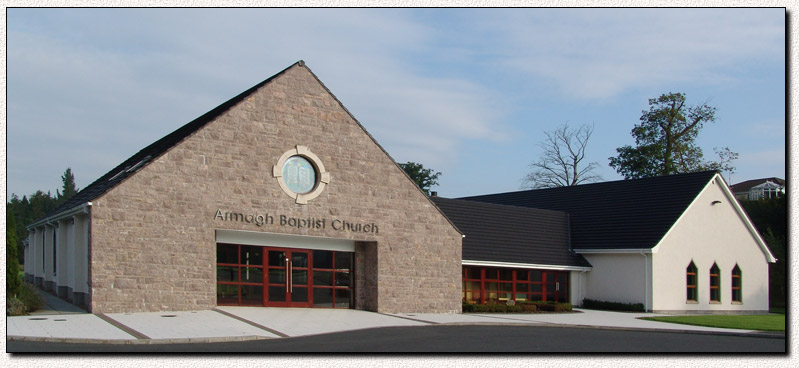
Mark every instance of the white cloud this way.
pixel 428 84
pixel 117 80
pixel 595 54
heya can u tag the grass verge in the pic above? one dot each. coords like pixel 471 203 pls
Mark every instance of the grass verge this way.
pixel 764 322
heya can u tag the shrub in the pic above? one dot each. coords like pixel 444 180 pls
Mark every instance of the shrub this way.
pixel 551 306
pixel 29 295
pixel 467 307
pixel 613 306
pixel 15 307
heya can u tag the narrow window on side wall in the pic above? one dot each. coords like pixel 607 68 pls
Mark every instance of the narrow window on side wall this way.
pixel 736 285
pixel 715 291
pixel 690 283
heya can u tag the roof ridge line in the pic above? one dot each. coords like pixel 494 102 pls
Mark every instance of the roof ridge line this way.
pixel 610 182
pixel 119 174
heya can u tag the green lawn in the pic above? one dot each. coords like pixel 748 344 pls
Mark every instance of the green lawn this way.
pixel 764 322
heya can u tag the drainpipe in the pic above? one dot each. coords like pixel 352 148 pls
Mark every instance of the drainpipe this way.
pixel 580 286
pixel 569 231
pixel 646 283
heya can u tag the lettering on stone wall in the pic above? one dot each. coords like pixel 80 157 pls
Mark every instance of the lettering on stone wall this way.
pixel 267 219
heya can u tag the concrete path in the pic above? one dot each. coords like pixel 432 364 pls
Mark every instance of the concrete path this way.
pixel 56 305
pixel 309 321
pixel 582 317
pixel 61 321
pixel 60 327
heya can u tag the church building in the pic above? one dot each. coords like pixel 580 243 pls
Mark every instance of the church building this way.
pixel 280 198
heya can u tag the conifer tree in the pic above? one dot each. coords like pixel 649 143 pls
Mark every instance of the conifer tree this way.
pixel 68 188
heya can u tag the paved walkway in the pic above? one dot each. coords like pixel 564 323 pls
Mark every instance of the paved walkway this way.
pixel 61 321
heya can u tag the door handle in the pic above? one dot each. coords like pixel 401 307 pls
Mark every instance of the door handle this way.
pixel 557 286
pixel 288 274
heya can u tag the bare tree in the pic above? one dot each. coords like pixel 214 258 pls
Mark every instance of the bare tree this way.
pixel 724 163
pixel 562 164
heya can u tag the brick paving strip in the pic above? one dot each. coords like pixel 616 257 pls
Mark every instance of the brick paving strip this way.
pixel 122 327
pixel 251 323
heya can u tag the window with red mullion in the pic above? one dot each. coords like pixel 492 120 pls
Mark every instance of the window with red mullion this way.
pixel 236 271
pixel 472 284
pixel 233 272
pixel 340 279
pixel 482 285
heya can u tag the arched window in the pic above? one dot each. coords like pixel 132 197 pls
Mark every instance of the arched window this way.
pixel 736 285
pixel 690 282
pixel 715 281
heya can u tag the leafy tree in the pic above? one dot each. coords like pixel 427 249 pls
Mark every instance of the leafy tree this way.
pixel 424 178
pixel 562 164
pixel 68 188
pixel 665 140
pixel 13 281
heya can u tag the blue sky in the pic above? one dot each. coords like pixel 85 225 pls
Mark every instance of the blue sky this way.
pixel 468 92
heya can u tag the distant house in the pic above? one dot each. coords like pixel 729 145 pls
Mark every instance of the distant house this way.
pixel 758 189
pixel 678 243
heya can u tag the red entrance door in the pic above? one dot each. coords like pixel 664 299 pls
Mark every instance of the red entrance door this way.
pixel 283 277
pixel 287 278
pixel 556 286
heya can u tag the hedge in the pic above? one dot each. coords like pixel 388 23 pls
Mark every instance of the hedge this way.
pixel 518 307
pixel 614 306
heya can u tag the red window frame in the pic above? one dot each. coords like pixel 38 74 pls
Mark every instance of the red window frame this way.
pixel 482 285
pixel 240 266
pixel 341 285
pixel 341 288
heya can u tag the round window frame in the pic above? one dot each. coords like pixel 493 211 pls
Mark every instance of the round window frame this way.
pixel 322 176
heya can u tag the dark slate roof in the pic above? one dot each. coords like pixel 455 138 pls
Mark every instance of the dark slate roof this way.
pixel 626 214
pixel 746 185
pixel 500 233
pixel 141 158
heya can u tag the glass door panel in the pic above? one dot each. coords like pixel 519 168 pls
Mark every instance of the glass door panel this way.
pixel 298 282
pixel 299 294
pixel 277 282
pixel 549 286
pixel 299 259
pixel 288 278
pixel 563 287
pixel 277 294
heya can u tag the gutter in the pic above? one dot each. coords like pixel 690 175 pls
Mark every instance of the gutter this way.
pixel 81 209
pixel 525 265
pixel 611 251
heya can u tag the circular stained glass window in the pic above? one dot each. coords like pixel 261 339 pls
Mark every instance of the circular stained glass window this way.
pixel 299 175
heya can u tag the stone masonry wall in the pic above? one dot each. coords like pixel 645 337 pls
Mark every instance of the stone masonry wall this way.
pixel 153 235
